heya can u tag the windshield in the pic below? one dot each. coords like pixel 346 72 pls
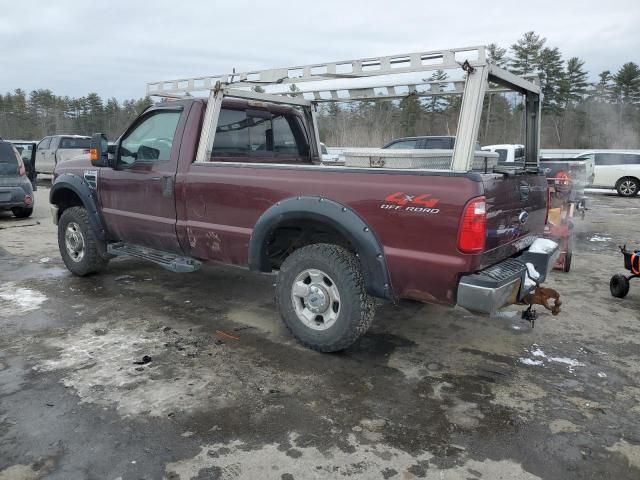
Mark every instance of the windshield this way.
pixel 10 162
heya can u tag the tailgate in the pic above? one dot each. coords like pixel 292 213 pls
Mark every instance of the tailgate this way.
pixel 516 213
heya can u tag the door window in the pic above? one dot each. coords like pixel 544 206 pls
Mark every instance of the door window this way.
pixel 151 140
pixel 44 143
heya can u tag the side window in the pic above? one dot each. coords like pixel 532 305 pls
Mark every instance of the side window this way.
pixel 403 144
pixel 44 143
pixel 502 154
pixel 609 159
pixel 260 133
pixel 437 143
pixel 151 140
pixel 632 159
pixel 284 142
pixel 232 134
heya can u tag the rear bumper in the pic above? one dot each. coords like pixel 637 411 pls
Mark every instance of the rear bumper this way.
pixel 11 197
pixel 503 284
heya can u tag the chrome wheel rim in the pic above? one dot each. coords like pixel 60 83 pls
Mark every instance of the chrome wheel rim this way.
pixel 74 242
pixel 628 187
pixel 316 299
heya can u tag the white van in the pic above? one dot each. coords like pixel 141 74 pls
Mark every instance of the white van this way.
pixel 619 169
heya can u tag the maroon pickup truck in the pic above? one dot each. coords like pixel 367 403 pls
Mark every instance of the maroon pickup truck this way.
pixel 337 236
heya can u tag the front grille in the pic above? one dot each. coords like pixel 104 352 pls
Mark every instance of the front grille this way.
pixel 504 270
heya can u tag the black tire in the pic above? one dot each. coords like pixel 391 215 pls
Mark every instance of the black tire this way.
pixel 22 212
pixel 619 286
pixel 91 261
pixel 628 187
pixel 355 310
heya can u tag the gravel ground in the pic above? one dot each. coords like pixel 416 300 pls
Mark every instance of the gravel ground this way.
pixel 139 373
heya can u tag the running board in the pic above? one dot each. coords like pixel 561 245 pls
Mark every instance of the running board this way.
pixel 169 261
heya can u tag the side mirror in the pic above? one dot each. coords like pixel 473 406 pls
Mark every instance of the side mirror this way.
pixel 99 150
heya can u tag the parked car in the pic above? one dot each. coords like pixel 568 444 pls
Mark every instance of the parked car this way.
pixel 27 151
pixel 233 180
pixel 16 192
pixel 59 148
pixel 329 158
pixel 432 142
pixel 617 169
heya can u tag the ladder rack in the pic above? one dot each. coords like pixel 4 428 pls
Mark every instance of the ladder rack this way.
pixel 373 78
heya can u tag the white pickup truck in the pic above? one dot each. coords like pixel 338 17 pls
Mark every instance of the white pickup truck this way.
pixel 59 148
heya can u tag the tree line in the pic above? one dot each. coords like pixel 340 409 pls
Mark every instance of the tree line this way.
pixel 40 113
pixel 577 112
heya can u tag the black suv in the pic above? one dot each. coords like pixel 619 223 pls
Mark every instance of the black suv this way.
pixel 16 191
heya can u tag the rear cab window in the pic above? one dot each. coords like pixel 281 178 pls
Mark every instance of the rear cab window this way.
pixel 252 135
pixel 72 142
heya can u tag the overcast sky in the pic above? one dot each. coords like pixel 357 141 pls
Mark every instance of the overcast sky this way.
pixel 115 47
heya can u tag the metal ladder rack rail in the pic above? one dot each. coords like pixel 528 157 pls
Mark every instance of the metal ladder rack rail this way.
pixel 344 69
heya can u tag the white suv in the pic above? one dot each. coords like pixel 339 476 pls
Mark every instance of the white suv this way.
pixel 617 169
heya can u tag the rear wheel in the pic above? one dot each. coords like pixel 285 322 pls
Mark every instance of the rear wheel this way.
pixel 22 212
pixel 619 286
pixel 322 298
pixel 628 187
pixel 79 246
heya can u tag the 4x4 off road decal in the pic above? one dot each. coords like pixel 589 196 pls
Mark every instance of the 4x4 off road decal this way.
pixel 400 201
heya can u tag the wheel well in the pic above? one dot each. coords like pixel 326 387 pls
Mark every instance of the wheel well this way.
pixel 291 235
pixel 66 198
pixel 627 176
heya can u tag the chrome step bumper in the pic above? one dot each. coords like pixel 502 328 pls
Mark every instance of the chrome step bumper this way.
pixel 502 284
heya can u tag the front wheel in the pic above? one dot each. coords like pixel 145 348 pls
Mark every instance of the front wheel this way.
pixel 79 246
pixel 628 187
pixel 322 298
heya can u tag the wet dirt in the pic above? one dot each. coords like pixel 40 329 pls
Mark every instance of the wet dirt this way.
pixel 226 393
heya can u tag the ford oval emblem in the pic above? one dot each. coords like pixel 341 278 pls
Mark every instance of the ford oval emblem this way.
pixel 523 217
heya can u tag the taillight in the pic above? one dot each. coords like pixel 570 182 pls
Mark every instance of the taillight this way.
pixel 473 228
pixel 28 199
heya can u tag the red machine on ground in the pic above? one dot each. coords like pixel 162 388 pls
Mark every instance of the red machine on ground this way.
pixel 566 179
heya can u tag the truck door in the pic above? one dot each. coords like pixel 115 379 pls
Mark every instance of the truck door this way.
pixel 42 156
pixel 137 196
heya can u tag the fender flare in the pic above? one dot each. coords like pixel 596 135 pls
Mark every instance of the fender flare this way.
pixel 87 195
pixel 341 218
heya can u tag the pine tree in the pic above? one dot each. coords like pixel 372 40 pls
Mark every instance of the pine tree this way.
pixel 575 81
pixel 626 86
pixel 549 64
pixel 410 110
pixel 497 55
pixel 526 52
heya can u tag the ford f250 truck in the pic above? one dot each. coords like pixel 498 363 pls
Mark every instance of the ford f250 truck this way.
pixel 237 178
